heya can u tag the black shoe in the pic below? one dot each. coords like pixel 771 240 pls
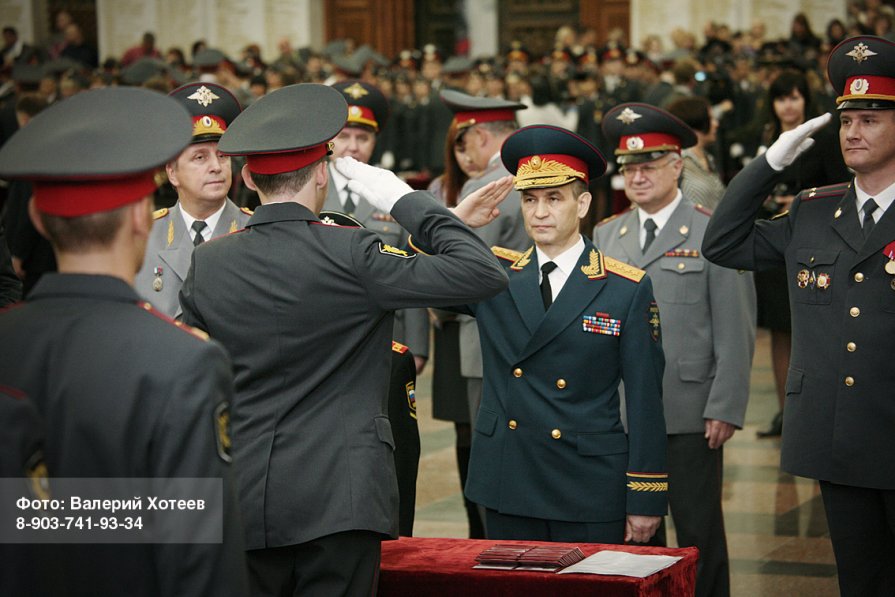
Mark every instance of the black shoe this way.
pixel 776 428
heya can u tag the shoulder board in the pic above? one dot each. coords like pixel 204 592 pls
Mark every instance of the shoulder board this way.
pixel 399 348
pixel 508 254
pixel 702 209
pixel 620 268
pixel 782 214
pixel 612 217
pixel 160 213
pixel 246 211
pixel 834 190
pixel 186 328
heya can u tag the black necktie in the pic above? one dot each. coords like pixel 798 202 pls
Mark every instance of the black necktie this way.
pixel 650 226
pixel 198 227
pixel 867 224
pixel 546 290
pixel 349 201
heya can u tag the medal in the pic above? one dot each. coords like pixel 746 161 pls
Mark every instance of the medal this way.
pixel 892 283
pixel 802 278
pixel 889 251
pixel 890 267
pixel 823 281
pixel 157 284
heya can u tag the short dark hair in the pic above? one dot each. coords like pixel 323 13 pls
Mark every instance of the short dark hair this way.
pixel 286 182
pixel 31 104
pixel 578 187
pixel 694 111
pixel 80 233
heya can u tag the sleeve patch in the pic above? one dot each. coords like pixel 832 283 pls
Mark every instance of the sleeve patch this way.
pixel 395 252
pixel 652 318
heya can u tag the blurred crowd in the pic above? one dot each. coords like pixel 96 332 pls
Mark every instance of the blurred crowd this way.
pixel 572 86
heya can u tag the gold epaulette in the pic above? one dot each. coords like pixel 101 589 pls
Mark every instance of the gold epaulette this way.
pixel 620 268
pixel 399 348
pixel 246 211
pixel 508 254
pixel 160 213
pixel 202 335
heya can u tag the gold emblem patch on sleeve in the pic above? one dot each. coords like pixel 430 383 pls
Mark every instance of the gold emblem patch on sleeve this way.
pixel 395 252
pixel 411 397
pixel 222 431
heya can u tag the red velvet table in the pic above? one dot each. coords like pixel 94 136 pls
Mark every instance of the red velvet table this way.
pixel 416 566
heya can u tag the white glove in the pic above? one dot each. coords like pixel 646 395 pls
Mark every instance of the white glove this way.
pixel 792 144
pixel 382 188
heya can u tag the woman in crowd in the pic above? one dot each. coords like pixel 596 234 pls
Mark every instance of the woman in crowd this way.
pixel 700 182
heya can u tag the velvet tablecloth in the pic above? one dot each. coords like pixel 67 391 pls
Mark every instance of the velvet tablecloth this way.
pixel 417 567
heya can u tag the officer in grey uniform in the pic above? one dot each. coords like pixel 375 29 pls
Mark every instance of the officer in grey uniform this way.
pixel 708 325
pixel 304 310
pixel 483 124
pixel 838 245
pixel 368 113
pixel 122 392
pixel 201 177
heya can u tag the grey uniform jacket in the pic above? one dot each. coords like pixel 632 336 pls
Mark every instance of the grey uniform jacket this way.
pixel 839 413
pixel 708 317
pixel 168 254
pixel 123 392
pixel 305 312
pixel 411 325
pixel 507 231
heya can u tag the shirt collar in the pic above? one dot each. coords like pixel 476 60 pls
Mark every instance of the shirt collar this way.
pixel 883 199
pixel 565 261
pixel 662 216
pixel 210 222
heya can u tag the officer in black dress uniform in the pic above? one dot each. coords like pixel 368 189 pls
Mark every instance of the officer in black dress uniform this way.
pixel 120 390
pixel 838 245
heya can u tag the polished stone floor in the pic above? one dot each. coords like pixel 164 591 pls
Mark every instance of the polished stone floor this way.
pixel 776 530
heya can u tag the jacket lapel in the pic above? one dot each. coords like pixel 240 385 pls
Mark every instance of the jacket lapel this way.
pixel 227 223
pixel 846 225
pixel 629 237
pixel 177 247
pixel 882 234
pixel 577 293
pixel 526 293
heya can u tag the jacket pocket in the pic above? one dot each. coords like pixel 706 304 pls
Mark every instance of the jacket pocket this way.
pixel 815 271
pixel 486 422
pixel 794 381
pixel 384 431
pixel 602 444
pixel 695 370
pixel 679 282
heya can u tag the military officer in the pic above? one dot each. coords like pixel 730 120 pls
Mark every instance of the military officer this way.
pixel 368 113
pixel 121 391
pixel 201 176
pixel 708 325
pixel 550 458
pixel 315 447
pixel 838 245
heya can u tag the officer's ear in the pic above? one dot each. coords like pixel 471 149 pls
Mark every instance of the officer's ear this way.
pixel 583 204
pixel 171 171
pixel 247 178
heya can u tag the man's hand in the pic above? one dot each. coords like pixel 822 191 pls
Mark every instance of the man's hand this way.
pixel 718 432
pixel 382 188
pixel 480 208
pixel 792 144
pixel 419 363
pixel 641 529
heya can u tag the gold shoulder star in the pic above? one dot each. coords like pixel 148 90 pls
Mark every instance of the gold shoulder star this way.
pixel 628 116
pixel 204 96
pixel 861 53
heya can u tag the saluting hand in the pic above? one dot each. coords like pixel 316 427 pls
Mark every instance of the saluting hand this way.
pixel 792 144
pixel 480 207
pixel 381 188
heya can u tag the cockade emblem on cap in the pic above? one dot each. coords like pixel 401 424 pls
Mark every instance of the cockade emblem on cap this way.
pixel 204 96
pixel 628 116
pixel 861 52
pixel 356 91
pixel 859 87
pixel 535 162
pixel 634 143
pixel 355 111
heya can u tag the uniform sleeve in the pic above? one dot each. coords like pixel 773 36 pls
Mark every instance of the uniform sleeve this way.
pixel 416 331
pixel 456 268
pixel 643 365
pixel 192 440
pixel 734 238
pixel 732 304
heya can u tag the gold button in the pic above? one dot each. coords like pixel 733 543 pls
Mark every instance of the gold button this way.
pixel 851 347
pixel 859 277
pixel 556 434
pixel 849 381
pixel 560 383
pixel 681 265
pixel 517 372
pixel 512 424
pixel 811 260
pixel 854 311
